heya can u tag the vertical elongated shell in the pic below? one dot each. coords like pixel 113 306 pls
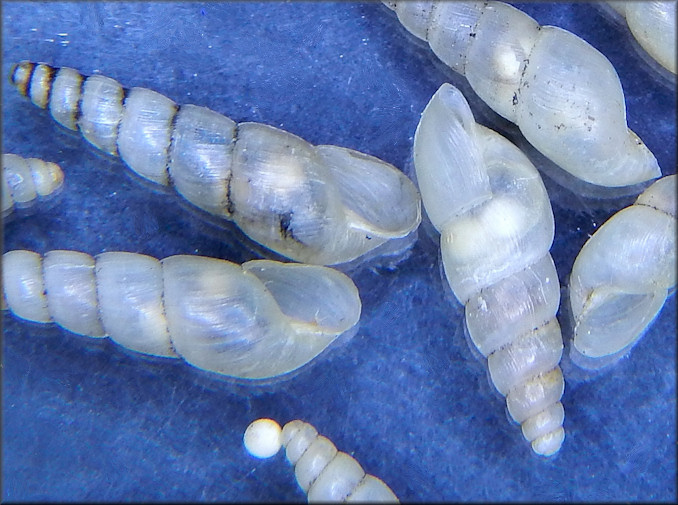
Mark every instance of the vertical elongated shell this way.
pixel 323 472
pixel 563 94
pixel 261 320
pixel 653 24
pixel 496 224
pixel 25 180
pixel 623 274
pixel 314 204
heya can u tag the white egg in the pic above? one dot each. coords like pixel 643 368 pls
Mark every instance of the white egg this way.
pixel 263 438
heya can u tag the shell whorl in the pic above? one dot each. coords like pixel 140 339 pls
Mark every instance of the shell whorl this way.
pixel 623 275
pixel 313 204
pixel 323 472
pixel 563 94
pixel 653 24
pixel 24 180
pixel 259 320
pixel 489 204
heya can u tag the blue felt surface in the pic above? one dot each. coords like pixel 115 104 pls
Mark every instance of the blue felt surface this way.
pixel 83 420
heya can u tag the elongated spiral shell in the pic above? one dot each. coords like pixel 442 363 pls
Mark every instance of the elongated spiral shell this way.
pixel 496 224
pixel 25 180
pixel 254 321
pixel 314 204
pixel 623 275
pixel 653 24
pixel 564 95
pixel 323 472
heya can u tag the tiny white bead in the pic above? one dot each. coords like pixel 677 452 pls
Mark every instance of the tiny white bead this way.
pixel 263 438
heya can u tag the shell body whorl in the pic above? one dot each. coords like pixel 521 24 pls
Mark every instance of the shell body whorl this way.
pixel 313 204
pixel 563 94
pixel 496 224
pixel 653 24
pixel 623 275
pixel 259 320
pixel 25 180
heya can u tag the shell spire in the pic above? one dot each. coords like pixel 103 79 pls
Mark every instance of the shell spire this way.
pixel 313 204
pixel 323 472
pixel 26 180
pixel 490 205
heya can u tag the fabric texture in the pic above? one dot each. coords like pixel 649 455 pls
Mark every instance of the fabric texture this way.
pixel 84 420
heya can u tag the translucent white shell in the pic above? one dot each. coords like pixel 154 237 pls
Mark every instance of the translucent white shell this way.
pixel 496 224
pixel 623 275
pixel 653 24
pixel 25 180
pixel 563 94
pixel 323 472
pixel 261 320
pixel 314 204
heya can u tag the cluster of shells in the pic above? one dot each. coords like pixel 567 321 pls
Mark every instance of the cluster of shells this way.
pixel 520 336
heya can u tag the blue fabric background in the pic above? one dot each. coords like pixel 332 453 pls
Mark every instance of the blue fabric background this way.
pixel 85 420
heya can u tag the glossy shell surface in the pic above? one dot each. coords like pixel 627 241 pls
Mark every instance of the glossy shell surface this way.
pixel 496 228
pixel 623 275
pixel 25 181
pixel 313 204
pixel 653 24
pixel 325 473
pixel 256 321
pixel 564 95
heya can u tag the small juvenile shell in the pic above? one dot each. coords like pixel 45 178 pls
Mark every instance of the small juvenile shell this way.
pixel 323 472
pixel 623 275
pixel 25 180
pixel 564 95
pixel 314 204
pixel 262 319
pixel 496 224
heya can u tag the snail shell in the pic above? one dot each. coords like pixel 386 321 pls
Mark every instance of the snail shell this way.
pixel 259 320
pixel 314 204
pixel 489 204
pixel 623 275
pixel 653 24
pixel 563 94
pixel 323 472
pixel 25 180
